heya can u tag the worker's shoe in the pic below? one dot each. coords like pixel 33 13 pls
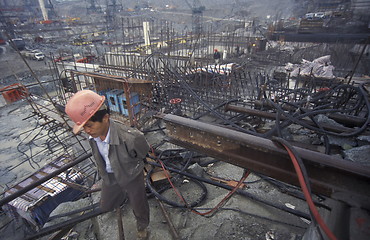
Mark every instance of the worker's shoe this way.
pixel 143 234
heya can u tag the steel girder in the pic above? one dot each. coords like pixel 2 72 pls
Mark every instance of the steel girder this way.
pixel 329 175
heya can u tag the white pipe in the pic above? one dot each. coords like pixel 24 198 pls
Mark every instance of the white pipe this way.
pixel 224 55
pixel 43 10
pixel 146 30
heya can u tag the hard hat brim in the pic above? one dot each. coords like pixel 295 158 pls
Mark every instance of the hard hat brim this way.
pixel 78 127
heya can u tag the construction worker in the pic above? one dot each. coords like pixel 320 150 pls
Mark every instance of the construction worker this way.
pixel 216 56
pixel 237 50
pixel 118 151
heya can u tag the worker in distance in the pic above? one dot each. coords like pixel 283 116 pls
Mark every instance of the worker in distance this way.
pixel 118 151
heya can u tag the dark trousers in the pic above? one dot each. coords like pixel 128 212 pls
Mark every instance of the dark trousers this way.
pixel 113 195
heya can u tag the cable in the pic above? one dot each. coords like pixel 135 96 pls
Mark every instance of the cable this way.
pixel 158 195
pixel 303 181
pixel 291 190
pixel 238 191
pixel 361 101
pixel 221 203
pixel 190 206
pixel 173 203
pixel 225 199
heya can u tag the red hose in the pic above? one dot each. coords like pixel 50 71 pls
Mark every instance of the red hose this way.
pixel 307 195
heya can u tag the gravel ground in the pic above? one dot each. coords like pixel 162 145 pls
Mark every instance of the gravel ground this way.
pixel 240 218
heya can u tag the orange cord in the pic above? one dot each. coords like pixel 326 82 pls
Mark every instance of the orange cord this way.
pixel 307 195
pixel 302 183
pixel 223 201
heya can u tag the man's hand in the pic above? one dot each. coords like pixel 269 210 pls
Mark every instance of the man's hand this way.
pixel 96 186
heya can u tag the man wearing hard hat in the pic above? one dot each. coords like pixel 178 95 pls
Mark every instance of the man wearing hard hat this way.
pixel 216 56
pixel 118 151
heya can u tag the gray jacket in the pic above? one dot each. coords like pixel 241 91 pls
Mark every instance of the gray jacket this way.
pixel 127 149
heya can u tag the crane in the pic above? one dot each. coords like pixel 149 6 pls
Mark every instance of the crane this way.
pixel 197 15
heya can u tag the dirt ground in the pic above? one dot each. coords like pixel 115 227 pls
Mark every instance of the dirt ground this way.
pixel 13 65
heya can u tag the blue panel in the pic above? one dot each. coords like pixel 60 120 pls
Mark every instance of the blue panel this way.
pixel 104 93
pixel 134 101
pixel 113 101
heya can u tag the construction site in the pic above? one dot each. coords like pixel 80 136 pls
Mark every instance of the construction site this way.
pixel 257 114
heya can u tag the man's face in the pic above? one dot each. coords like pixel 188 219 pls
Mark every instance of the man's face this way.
pixel 97 129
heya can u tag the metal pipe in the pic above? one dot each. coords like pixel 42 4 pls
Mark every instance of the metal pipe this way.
pixel 72 222
pixel 169 221
pixel 61 233
pixel 43 10
pixel 90 207
pixel 121 235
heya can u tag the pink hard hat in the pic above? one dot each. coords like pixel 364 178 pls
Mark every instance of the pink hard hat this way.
pixel 82 106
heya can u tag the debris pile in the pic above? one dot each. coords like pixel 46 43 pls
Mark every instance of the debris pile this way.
pixel 319 67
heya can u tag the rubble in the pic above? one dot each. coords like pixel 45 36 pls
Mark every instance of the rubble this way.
pixel 319 67
pixel 357 154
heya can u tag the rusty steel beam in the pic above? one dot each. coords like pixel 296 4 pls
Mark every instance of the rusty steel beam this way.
pixel 329 175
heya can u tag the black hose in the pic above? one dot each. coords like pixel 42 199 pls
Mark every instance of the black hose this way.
pixel 295 118
pixel 239 191
pixel 175 204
